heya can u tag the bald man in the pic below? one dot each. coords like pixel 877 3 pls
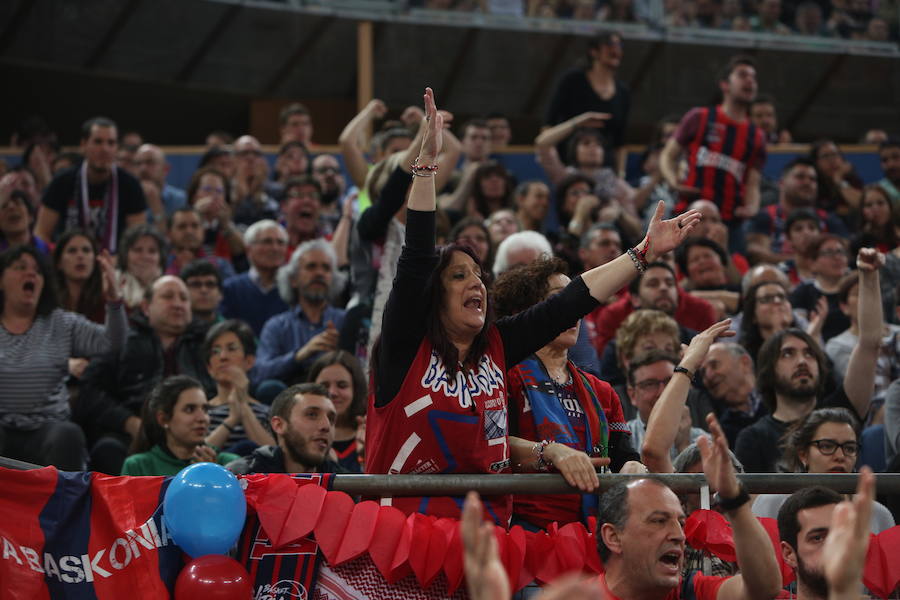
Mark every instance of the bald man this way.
pixel 164 340
pixel 152 169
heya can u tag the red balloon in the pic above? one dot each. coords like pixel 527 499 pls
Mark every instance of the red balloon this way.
pixel 213 577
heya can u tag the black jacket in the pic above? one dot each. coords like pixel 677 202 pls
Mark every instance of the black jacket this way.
pixel 270 459
pixel 113 387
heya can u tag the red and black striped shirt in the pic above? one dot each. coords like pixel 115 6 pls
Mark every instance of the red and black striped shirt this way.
pixel 720 152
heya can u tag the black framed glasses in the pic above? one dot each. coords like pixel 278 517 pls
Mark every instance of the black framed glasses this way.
pixel 650 385
pixel 829 447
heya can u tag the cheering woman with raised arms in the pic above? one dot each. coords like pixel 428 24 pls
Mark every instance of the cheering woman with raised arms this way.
pixel 438 399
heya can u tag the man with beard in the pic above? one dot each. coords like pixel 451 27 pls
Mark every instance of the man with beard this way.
pixel 641 541
pixel 96 195
pixel 818 535
pixel 724 149
pixel 186 238
pixel 326 170
pixel 791 373
pixel 302 418
pixel 656 288
pixel 767 238
pixel 291 341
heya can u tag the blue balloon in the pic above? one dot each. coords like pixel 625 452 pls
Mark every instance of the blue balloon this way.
pixel 204 509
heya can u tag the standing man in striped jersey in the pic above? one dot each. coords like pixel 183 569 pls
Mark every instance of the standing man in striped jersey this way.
pixel 725 151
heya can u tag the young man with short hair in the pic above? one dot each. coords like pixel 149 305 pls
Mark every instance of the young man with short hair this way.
pixel 724 149
pixel 96 195
pixel 302 418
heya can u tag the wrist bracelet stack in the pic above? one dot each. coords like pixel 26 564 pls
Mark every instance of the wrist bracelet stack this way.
pixel 640 265
pixel 423 170
pixel 541 464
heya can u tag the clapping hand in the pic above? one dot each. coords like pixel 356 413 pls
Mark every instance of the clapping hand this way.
pixel 844 552
pixel 486 578
pixel 717 465
pixel 112 290
pixel 434 127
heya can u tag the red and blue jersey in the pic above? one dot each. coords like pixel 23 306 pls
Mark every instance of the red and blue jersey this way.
pixel 440 423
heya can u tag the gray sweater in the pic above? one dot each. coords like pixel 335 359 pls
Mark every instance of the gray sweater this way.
pixel 34 365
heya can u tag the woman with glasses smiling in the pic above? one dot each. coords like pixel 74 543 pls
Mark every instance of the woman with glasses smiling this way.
pixel 830 264
pixel 826 441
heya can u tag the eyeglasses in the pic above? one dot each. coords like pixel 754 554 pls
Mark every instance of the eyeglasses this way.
pixel 196 285
pixel 771 299
pixel 324 170
pixel 249 153
pixel 833 252
pixel 211 189
pixel 650 385
pixel 829 447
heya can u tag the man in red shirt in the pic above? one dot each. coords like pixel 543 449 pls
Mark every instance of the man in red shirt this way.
pixel 725 151
pixel 640 537
pixel 656 288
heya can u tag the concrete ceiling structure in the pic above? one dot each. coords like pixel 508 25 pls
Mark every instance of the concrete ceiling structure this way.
pixel 180 68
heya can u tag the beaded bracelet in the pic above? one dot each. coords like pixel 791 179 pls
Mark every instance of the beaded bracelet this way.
pixel 541 464
pixel 639 265
pixel 423 170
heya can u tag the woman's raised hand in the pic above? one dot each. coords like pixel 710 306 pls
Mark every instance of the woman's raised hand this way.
pixel 434 127
pixel 664 236
pixel 111 287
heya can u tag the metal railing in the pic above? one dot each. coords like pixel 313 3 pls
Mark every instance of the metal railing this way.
pixel 552 483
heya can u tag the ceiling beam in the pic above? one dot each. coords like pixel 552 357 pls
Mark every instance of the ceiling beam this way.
pixel 303 48
pixel 206 45
pixel 812 95
pixel 551 69
pixel 15 23
pixel 111 33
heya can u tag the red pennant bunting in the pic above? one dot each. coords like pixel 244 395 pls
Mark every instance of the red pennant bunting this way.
pixel 514 558
pixel 570 547
pixel 305 512
pixel 274 503
pixel 400 563
pixel 389 527
pixel 545 561
pixel 431 547
pixel 332 525
pixel 882 570
pixel 708 530
pixel 359 531
pixel 592 562
pixel 453 559
pixel 771 527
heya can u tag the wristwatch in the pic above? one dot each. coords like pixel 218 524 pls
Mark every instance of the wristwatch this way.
pixel 730 504
pixel 680 369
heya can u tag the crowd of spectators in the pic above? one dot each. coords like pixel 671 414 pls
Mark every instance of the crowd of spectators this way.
pixel 870 20
pixel 428 311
